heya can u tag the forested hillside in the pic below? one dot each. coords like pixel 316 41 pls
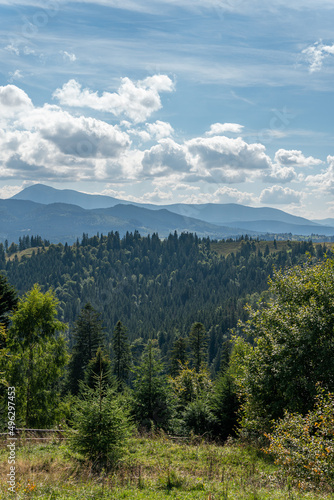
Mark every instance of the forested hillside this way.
pixel 156 287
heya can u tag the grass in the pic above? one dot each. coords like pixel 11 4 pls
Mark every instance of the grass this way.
pixel 154 469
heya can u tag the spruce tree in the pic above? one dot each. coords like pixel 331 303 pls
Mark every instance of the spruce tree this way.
pixel 178 356
pixel 121 354
pixel 151 391
pixel 88 336
pixel 198 342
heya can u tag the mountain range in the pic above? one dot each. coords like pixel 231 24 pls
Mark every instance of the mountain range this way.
pixel 64 215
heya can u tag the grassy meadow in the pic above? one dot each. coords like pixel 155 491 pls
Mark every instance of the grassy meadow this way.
pixel 154 468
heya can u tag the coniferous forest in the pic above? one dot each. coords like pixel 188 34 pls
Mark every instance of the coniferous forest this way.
pixel 188 337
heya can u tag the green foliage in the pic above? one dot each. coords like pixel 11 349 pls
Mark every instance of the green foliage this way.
pixel 99 366
pixel 152 399
pixel 192 392
pixel 293 346
pixel 190 385
pixel 156 285
pixel 225 405
pixel 121 354
pixel 304 445
pixel 198 342
pixel 88 336
pixel 178 356
pixel 198 418
pixel 102 426
pixel 8 301
pixel 38 356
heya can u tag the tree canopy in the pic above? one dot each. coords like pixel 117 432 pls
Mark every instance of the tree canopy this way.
pixel 293 350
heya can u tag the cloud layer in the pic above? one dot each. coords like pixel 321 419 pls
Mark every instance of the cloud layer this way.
pixel 51 143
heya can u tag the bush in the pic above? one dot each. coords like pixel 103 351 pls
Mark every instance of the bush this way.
pixel 304 445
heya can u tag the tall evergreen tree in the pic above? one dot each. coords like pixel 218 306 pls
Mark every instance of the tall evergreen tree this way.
pixel 98 368
pixel 198 342
pixel 178 356
pixel 121 354
pixel 88 336
pixel 151 391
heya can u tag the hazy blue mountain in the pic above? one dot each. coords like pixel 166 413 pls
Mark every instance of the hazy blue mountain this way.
pixel 278 227
pixel 325 222
pixel 60 222
pixel 64 215
pixel 47 195
pixel 209 212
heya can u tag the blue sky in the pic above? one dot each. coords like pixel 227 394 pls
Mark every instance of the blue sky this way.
pixel 170 101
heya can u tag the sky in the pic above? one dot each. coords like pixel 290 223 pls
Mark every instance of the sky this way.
pixel 171 101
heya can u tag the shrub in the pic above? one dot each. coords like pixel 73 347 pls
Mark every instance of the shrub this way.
pixel 304 445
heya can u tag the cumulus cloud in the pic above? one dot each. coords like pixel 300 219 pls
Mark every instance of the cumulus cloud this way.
pixel 136 100
pixel 221 151
pixel 49 143
pixel 160 129
pixel 222 128
pixel 13 99
pixel 295 158
pixel 325 180
pixel 280 174
pixel 80 136
pixel 165 157
pixel 277 195
pixel 315 55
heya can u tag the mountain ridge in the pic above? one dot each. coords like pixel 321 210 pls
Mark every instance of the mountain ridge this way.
pixel 67 214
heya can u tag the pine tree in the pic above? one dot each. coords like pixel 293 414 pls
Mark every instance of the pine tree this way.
pixel 121 354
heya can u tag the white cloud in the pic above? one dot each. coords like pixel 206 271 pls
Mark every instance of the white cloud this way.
pixel 325 180
pixel 159 129
pixel 227 194
pixel 49 143
pixel 165 157
pixel 222 128
pixel 12 97
pixel 68 56
pixel 221 151
pixel 136 100
pixel 277 195
pixel 78 136
pixel 295 158
pixel 9 191
pixel 315 55
pixel 280 174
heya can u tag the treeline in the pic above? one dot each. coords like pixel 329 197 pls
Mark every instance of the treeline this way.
pixel 157 288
